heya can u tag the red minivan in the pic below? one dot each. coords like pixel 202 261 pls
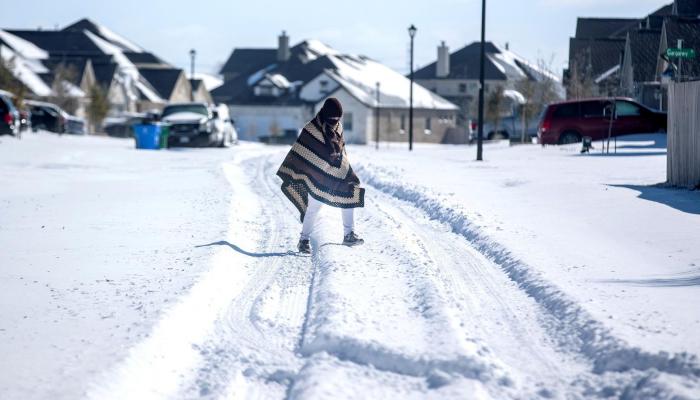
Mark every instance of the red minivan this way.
pixel 569 121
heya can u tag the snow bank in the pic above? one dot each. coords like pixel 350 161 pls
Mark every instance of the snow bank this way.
pixel 594 340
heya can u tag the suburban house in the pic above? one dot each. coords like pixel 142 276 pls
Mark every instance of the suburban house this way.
pixel 595 55
pixel 455 76
pixel 135 80
pixel 273 92
pixel 623 56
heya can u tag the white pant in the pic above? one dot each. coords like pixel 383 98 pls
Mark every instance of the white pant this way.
pixel 312 212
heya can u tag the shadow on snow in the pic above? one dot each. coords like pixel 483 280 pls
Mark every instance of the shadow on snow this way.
pixel 288 253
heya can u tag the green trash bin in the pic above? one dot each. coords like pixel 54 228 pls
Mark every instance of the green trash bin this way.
pixel 164 133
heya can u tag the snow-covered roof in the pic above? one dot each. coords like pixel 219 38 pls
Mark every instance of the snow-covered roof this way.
pixel 315 48
pixel 605 75
pixel 211 82
pixel 514 95
pixel 126 67
pixel 258 75
pixel 26 71
pixel 278 80
pixel 514 65
pixel 117 39
pixel 23 47
pixel 360 75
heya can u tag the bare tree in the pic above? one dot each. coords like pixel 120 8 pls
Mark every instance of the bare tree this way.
pixel 11 84
pixel 494 103
pixel 63 77
pixel 538 91
pixel 99 106
pixel 581 83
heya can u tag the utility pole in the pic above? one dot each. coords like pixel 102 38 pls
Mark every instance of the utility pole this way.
pixel 480 133
pixel 377 117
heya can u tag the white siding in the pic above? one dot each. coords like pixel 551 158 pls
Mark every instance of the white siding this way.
pixel 363 119
pixel 252 122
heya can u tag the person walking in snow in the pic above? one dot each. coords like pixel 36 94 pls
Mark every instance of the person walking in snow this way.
pixel 316 171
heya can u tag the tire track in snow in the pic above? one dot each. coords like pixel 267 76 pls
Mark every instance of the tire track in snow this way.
pixel 376 307
pixel 486 302
pixel 256 337
pixel 592 340
pixel 164 364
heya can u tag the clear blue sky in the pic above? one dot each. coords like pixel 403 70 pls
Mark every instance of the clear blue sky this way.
pixel 535 29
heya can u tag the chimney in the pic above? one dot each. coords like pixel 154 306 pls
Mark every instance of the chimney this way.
pixel 507 46
pixel 283 47
pixel 443 61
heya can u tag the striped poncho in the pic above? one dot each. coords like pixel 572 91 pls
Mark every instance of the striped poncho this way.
pixel 310 170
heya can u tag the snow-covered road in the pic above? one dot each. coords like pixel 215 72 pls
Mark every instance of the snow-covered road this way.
pixel 422 310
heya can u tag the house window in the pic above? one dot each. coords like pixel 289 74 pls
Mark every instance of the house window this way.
pixel 463 88
pixel 402 128
pixel 428 123
pixel 347 121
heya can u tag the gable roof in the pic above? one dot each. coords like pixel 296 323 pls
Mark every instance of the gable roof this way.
pixel 104 33
pixel 59 43
pixel 163 80
pixel 104 73
pixel 600 55
pixel 644 48
pixel 76 65
pixel 664 10
pixel 140 58
pixel 311 59
pixel 243 61
pixel 465 64
pixel 299 68
pixel 686 8
pixel 598 28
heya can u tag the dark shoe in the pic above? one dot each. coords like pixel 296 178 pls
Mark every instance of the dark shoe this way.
pixel 351 239
pixel 304 247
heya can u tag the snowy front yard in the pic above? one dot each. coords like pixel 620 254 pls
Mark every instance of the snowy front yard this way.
pixel 537 273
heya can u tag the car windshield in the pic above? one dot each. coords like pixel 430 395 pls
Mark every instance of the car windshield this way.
pixel 192 108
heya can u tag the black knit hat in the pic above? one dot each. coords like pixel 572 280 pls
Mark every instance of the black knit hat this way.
pixel 331 109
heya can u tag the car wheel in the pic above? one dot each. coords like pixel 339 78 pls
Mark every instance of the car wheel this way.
pixel 569 137
pixel 500 135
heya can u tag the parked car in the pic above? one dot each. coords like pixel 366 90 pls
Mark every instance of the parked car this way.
pixel 570 121
pixel 509 127
pixel 9 116
pixel 199 124
pixel 289 136
pixel 53 118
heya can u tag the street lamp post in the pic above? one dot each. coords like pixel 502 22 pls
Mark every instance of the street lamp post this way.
pixel 480 133
pixel 193 53
pixel 377 117
pixel 412 33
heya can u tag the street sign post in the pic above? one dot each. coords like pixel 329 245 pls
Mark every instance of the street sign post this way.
pixel 680 53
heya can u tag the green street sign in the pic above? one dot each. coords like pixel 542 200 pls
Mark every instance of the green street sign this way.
pixel 680 53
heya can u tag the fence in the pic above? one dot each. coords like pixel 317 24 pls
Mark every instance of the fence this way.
pixel 683 162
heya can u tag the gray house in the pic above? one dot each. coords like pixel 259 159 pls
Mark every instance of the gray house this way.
pixel 455 76
pixel 273 92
